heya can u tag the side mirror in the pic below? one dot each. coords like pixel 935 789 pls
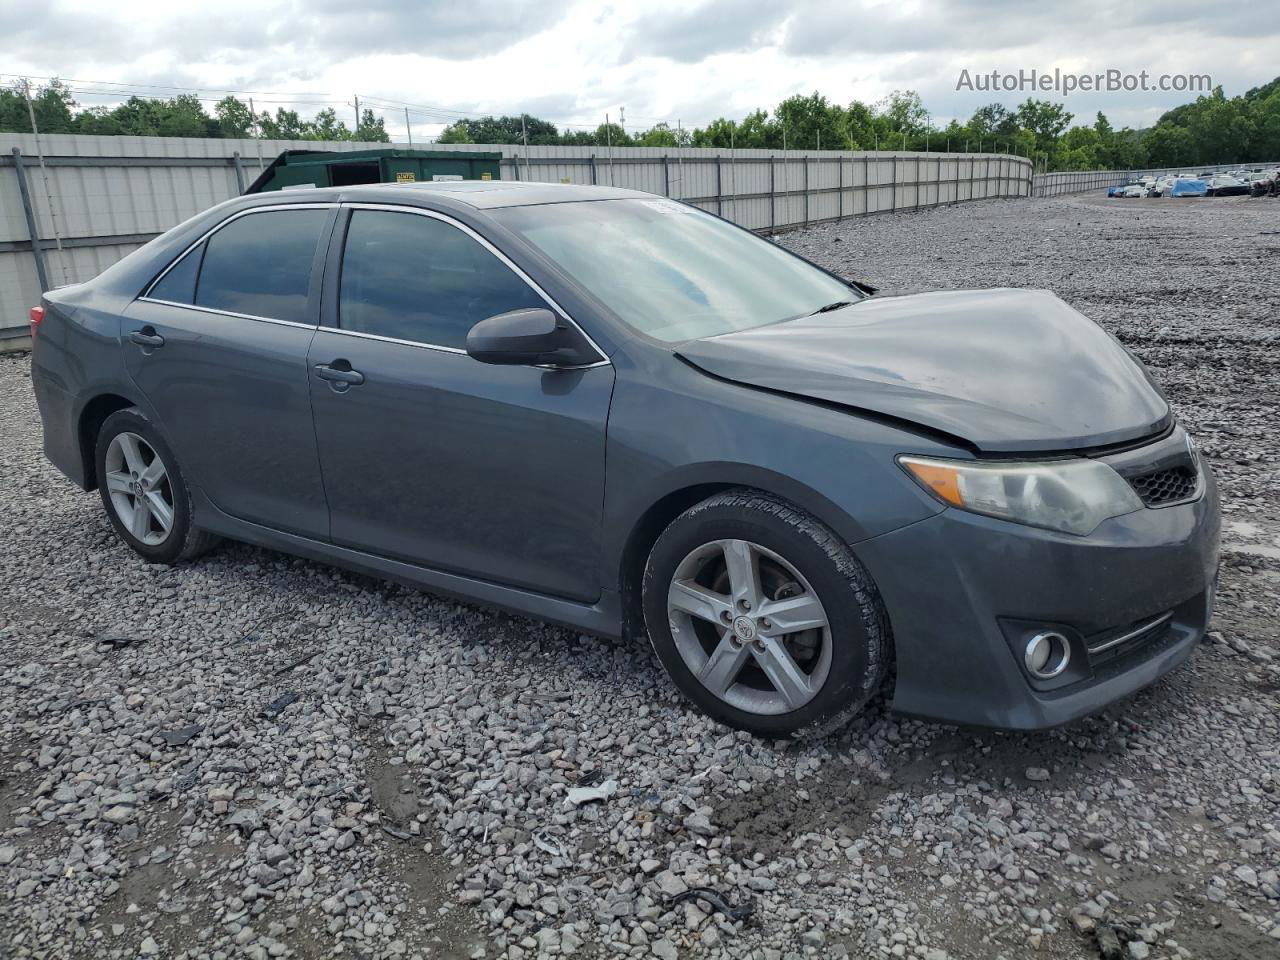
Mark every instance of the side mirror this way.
pixel 529 337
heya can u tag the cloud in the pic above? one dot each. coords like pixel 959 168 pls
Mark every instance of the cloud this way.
pixel 691 35
pixel 572 61
pixel 440 28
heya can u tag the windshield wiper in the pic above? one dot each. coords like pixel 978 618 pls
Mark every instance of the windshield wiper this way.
pixel 833 306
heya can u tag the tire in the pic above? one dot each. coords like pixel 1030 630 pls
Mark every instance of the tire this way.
pixel 125 454
pixel 737 664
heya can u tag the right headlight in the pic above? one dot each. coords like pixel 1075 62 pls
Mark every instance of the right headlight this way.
pixel 1072 496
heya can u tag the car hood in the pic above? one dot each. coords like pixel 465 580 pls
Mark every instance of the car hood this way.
pixel 1005 370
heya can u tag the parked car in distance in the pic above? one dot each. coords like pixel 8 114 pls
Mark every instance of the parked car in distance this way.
pixel 623 414
pixel 1134 190
pixel 1187 187
pixel 1224 186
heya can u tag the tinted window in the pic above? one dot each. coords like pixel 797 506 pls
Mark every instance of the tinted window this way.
pixel 179 284
pixel 417 278
pixel 260 264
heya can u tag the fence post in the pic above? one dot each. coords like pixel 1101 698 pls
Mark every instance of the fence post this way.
pixel 866 184
pixel 33 231
pixel 719 187
pixel 773 193
pixel 593 169
pixel 893 188
pixel 840 190
pixel 239 168
pixel 805 184
pixel 666 176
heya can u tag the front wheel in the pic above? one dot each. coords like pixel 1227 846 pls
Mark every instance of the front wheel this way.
pixel 763 616
pixel 144 492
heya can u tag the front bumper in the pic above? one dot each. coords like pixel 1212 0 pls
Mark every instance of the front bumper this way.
pixel 963 590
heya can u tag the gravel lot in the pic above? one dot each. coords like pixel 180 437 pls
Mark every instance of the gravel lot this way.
pixel 258 756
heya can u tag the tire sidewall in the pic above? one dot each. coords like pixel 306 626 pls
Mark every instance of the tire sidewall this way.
pixel 133 420
pixel 855 664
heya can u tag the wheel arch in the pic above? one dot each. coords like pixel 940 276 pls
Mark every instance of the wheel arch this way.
pixel 690 487
pixel 92 416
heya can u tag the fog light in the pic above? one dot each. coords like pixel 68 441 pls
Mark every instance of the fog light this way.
pixel 1047 655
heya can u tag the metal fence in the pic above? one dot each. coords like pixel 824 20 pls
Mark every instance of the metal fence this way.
pixel 1082 181
pixel 72 205
pixel 92 200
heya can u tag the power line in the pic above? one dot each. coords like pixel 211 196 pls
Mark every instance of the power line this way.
pixel 429 114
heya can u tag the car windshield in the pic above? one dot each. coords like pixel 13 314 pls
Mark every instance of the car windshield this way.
pixel 671 271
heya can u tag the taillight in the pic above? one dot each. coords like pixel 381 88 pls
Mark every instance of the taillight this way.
pixel 37 318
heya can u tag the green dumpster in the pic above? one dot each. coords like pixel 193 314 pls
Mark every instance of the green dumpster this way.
pixel 336 168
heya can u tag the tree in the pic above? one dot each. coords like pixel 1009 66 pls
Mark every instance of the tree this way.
pixel 760 132
pixel 235 117
pixel 859 122
pixel 455 133
pixel 1047 121
pixel 812 123
pixel 327 126
pixel 1168 145
pixel 904 111
pixel 51 103
pixel 663 135
pixel 285 125
pixel 371 129
pixel 718 133
pixel 995 119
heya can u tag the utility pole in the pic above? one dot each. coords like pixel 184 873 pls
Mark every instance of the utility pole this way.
pixel 356 135
pixel 44 175
pixel 622 119
pixel 257 135
pixel 680 147
pixel 608 139
pixel 408 129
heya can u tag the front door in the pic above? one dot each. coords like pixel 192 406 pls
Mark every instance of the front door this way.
pixel 219 347
pixel 432 457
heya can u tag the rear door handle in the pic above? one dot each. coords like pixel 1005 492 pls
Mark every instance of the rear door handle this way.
pixel 341 377
pixel 147 337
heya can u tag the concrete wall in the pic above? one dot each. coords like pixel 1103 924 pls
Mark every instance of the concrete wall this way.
pixel 109 195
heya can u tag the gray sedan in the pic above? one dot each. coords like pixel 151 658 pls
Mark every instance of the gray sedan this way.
pixel 626 415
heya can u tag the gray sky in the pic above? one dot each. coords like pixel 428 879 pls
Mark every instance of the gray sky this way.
pixel 573 62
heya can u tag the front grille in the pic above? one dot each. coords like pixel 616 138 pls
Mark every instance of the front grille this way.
pixel 1160 487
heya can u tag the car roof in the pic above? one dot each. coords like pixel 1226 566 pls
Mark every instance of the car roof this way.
pixel 480 194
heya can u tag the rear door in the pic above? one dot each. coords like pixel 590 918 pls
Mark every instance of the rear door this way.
pixel 429 456
pixel 219 347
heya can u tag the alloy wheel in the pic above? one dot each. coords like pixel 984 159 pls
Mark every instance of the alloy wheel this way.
pixel 749 627
pixel 139 487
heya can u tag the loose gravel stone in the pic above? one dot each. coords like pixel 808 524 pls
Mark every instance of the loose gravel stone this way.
pixel 389 810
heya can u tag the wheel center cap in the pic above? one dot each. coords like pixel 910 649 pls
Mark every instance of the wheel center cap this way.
pixel 744 628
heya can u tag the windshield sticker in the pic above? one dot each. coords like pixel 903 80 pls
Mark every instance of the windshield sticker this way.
pixel 668 206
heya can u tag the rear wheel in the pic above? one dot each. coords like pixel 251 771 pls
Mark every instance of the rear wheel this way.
pixel 763 617
pixel 143 490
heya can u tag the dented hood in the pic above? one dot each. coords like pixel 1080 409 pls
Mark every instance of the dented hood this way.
pixel 1008 371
